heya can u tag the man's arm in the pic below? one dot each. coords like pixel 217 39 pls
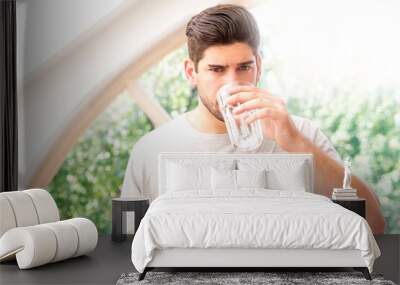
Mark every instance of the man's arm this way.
pixel 329 174
pixel 278 126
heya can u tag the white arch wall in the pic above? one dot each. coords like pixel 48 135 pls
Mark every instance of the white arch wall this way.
pixel 52 24
pixel 67 82
pixel 46 31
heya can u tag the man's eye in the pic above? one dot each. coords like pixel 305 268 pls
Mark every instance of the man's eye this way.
pixel 216 69
pixel 245 67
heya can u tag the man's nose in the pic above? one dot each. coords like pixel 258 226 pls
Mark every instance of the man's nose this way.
pixel 231 76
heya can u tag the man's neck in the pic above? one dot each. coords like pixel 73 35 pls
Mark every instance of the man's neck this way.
pixel 203 121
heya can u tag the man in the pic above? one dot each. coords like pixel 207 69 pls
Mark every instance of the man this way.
pixel 223 43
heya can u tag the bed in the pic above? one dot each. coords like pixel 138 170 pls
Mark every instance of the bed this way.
pixel 247 210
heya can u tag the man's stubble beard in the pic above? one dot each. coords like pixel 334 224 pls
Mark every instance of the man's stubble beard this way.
pixel 211 108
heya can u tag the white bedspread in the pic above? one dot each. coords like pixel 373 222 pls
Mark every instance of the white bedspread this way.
pixel 250 218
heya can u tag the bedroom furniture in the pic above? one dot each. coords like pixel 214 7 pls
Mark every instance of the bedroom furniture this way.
pixel 124 212
pixel 109 260
pixel 31 231
pixel 286 176
pixel 356 205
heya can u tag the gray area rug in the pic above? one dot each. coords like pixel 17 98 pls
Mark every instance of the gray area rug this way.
pixel 225 278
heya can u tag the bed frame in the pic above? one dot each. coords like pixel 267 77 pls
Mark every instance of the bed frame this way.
pixel 237 259
pixel 248 259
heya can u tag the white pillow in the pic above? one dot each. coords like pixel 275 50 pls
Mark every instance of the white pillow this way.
pixel 288 179
pixel 181 177
pixel 251 178
pixel 230 179
pixel 281 174
pixel 223 179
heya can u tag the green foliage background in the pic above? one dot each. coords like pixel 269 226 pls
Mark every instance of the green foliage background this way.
pixel 361 127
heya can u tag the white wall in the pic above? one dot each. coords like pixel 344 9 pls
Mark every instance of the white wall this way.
pixel 21 16
pixel 44 29
pixel 52 24
pixel 66 79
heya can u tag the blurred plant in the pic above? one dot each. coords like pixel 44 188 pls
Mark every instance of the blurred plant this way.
pixel 362 127
pixel 93 172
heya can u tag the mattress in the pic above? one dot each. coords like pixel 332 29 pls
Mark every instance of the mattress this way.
pixel 250 219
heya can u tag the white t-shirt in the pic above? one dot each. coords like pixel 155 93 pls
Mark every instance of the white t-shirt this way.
pixel 141 175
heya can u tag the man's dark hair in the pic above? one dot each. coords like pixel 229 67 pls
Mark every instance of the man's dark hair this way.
pixel 221 24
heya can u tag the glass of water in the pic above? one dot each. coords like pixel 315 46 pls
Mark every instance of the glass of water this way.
pixel 245 137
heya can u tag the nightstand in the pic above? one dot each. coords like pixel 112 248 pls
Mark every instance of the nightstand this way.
pixel 126 216
pixel 356 205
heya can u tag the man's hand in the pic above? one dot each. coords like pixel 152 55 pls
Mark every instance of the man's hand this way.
pixel 278 126
pixel 271 110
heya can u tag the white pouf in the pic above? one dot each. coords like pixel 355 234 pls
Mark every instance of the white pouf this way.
pixel 31 233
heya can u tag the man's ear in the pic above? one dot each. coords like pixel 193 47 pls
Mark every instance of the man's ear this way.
pixel 259 66
pixel 190 72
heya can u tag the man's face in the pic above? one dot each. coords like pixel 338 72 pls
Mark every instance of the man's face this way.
pixel 223 64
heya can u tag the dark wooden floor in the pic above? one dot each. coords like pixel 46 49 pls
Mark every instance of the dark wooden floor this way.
pixel 110 260
pixel 102 266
